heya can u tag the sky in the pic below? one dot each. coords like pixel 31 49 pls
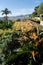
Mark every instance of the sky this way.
pixel 19 7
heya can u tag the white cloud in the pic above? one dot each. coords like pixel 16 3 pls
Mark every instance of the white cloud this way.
pixel 21 12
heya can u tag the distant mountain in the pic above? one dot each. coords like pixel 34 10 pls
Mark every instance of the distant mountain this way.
pixel 16 17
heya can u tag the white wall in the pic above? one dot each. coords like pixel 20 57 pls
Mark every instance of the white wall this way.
pixel 41 23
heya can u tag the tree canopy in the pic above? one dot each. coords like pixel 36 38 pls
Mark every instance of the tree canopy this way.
pixel 6 12
pixel 38 10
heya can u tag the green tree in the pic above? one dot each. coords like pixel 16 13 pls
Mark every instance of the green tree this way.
pixel 40 9
pixel 35 13
pixel 6 12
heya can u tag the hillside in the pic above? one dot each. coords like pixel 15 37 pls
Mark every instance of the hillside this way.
pixel 26 25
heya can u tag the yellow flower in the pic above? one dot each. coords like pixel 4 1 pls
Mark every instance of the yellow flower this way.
pixel 33 54
pixel 25 38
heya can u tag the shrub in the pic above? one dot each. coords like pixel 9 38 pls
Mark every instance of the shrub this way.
pixel 1 24
pixel 41 15
pixel 18 20
pixel 7 24
pixel 36 20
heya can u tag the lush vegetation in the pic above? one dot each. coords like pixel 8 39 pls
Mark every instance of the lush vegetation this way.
pixel 38 10
pixel 20 43
pixel 21 48
pixel 5 24
pixel 36 16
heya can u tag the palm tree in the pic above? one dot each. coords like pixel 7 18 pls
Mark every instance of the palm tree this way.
pixel 6 12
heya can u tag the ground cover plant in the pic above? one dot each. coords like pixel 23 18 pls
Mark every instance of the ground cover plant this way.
pixel 20 48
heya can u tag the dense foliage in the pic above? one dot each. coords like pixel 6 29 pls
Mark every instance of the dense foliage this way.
pixel 5 24
pixel 38 10
pixel 20 48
